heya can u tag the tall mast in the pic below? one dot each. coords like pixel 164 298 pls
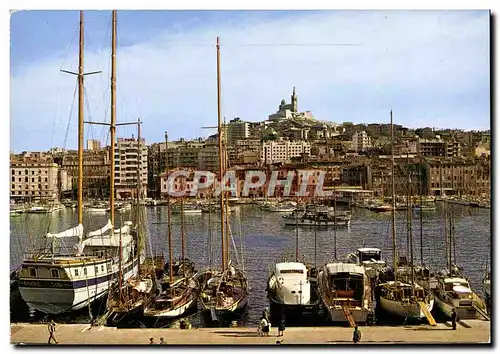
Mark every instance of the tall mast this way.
pixel 421 216
pixel 334 221
pixel 410 226
pixel 450 220
pixel 139 191
pixel 297 232
pixel 183 236
pixel 112 129
pixel 80 124
pixel 393 211
pixel 223 245
pixel 226 212
pixel 169 216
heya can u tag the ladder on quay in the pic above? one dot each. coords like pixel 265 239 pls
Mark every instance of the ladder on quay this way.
pixel 348 316
pixel 427 313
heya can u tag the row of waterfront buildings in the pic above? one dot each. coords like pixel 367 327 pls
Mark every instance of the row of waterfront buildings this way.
pixel 444 162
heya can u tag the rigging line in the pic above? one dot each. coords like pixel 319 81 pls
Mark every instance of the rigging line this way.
pixel 87 107
pixel 269 45
pixel 130 71
pixel 65 56
pixel 70 114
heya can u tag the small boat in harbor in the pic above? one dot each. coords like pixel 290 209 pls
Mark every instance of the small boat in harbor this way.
pixel 289 290
pixel 423 207
pixel 320 217
pixel 345 290
pixel 188 209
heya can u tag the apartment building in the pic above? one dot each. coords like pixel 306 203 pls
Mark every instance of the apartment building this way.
pixel 361 141
pixel 34 179
pixel 283 151
pixel 127 165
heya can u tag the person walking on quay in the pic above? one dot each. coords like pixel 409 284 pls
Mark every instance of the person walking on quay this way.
pixel 52 329
pixel 356 335
pixel 454 319
pixel 265 326
pixel 162 342
pixel 282 326
pixel 151 340
pixel 265 314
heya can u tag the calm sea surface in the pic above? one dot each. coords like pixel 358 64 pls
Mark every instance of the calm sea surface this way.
pixel 266 240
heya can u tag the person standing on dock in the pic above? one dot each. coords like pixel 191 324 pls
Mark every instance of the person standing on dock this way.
pixel 151 340
pixel 265 314
pixel 356 335
pixel 52 329
pixel 281 326
pixel 162 342
pixel 454 319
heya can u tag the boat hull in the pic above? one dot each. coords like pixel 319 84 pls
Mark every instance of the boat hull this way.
pixel 70 296
pixel 407 310
pixel 172 313
pixel 312 223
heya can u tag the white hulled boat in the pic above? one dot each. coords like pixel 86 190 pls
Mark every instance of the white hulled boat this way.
pixel 54 284
pixel 345 290
pixel 289 289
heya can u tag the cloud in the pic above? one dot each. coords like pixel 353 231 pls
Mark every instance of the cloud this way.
pixel 431 67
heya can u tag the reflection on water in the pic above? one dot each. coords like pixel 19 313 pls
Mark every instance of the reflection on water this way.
pixel 266 240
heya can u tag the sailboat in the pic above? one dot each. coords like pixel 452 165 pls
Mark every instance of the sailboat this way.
pixel 405 299
pixel 179 288
pixel 56 282
pixel 127 299
pixel 223 292
pixel 453 289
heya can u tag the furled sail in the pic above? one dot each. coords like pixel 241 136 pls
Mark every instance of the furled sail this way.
pixel 101 231
pixel 76 231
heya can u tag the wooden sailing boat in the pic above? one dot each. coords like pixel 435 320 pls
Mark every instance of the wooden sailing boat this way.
pixel 405 299
pixel 345 289
pixel 226 291
pixel 128 297
pixel 54 282
pixel 453 289
pixel 180 288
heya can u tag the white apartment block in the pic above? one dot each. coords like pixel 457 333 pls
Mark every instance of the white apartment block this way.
pixel 361 141
pixel 237 130
pixel 34 180
pixel 283 151
pixel 126 167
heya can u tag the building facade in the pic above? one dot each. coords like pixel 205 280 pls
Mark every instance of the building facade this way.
pixel 361 141
pixel 34 180
pixel 127 165
pixel 283 151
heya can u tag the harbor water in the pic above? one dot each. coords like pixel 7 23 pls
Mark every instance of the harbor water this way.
pixel 265 240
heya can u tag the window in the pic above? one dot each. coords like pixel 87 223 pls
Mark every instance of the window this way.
pixel 102 268
pixel 32 180
pixel 76 272
pixel 25 172
pixel 18 172
pixel 32 272
pixel 26 179
pixel 85 271
pixel 54 273
pixel 13 186
pixel 32 172
pixel 96 270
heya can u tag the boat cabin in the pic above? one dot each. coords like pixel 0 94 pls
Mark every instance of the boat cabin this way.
pixel 346 281
pixel 369 254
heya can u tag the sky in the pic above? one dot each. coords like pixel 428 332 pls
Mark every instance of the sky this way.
pixel 432 68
